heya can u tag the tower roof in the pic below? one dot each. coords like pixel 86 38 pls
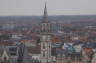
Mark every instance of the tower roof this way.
pixel 45 16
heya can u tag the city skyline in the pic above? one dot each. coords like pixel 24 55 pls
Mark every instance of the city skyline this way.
pixel 55 7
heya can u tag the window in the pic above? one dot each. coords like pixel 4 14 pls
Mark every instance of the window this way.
pixel 44 54
pixel 48 37
pixel 43 46
pixel 44 27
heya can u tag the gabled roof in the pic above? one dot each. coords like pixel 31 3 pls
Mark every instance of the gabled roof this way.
pixel 4 52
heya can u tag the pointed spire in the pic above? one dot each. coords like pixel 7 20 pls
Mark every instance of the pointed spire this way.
pixel 45 17
pixel 45 10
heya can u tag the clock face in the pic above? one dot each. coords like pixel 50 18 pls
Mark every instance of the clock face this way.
pixel 43 37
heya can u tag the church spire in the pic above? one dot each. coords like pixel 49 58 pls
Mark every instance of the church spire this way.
pixel 45 25
pixel 45 39
pixel 45 17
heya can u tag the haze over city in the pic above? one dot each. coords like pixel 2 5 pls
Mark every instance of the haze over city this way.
pixel 54 7
pixel 47 31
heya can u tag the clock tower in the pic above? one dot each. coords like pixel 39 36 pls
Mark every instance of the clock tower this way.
pixel 45 39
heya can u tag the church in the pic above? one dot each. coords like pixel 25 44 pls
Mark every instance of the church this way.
pixel 44 51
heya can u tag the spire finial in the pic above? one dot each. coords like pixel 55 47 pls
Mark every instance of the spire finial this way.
pixel 45 19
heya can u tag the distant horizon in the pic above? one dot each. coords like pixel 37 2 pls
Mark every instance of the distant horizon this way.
pixel 54 7
pixel 49 15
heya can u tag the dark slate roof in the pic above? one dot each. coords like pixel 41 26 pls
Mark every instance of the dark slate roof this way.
pixel 53 52
pixel 34 50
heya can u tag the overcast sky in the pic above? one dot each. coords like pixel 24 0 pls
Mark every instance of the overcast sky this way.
pixel 54 7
